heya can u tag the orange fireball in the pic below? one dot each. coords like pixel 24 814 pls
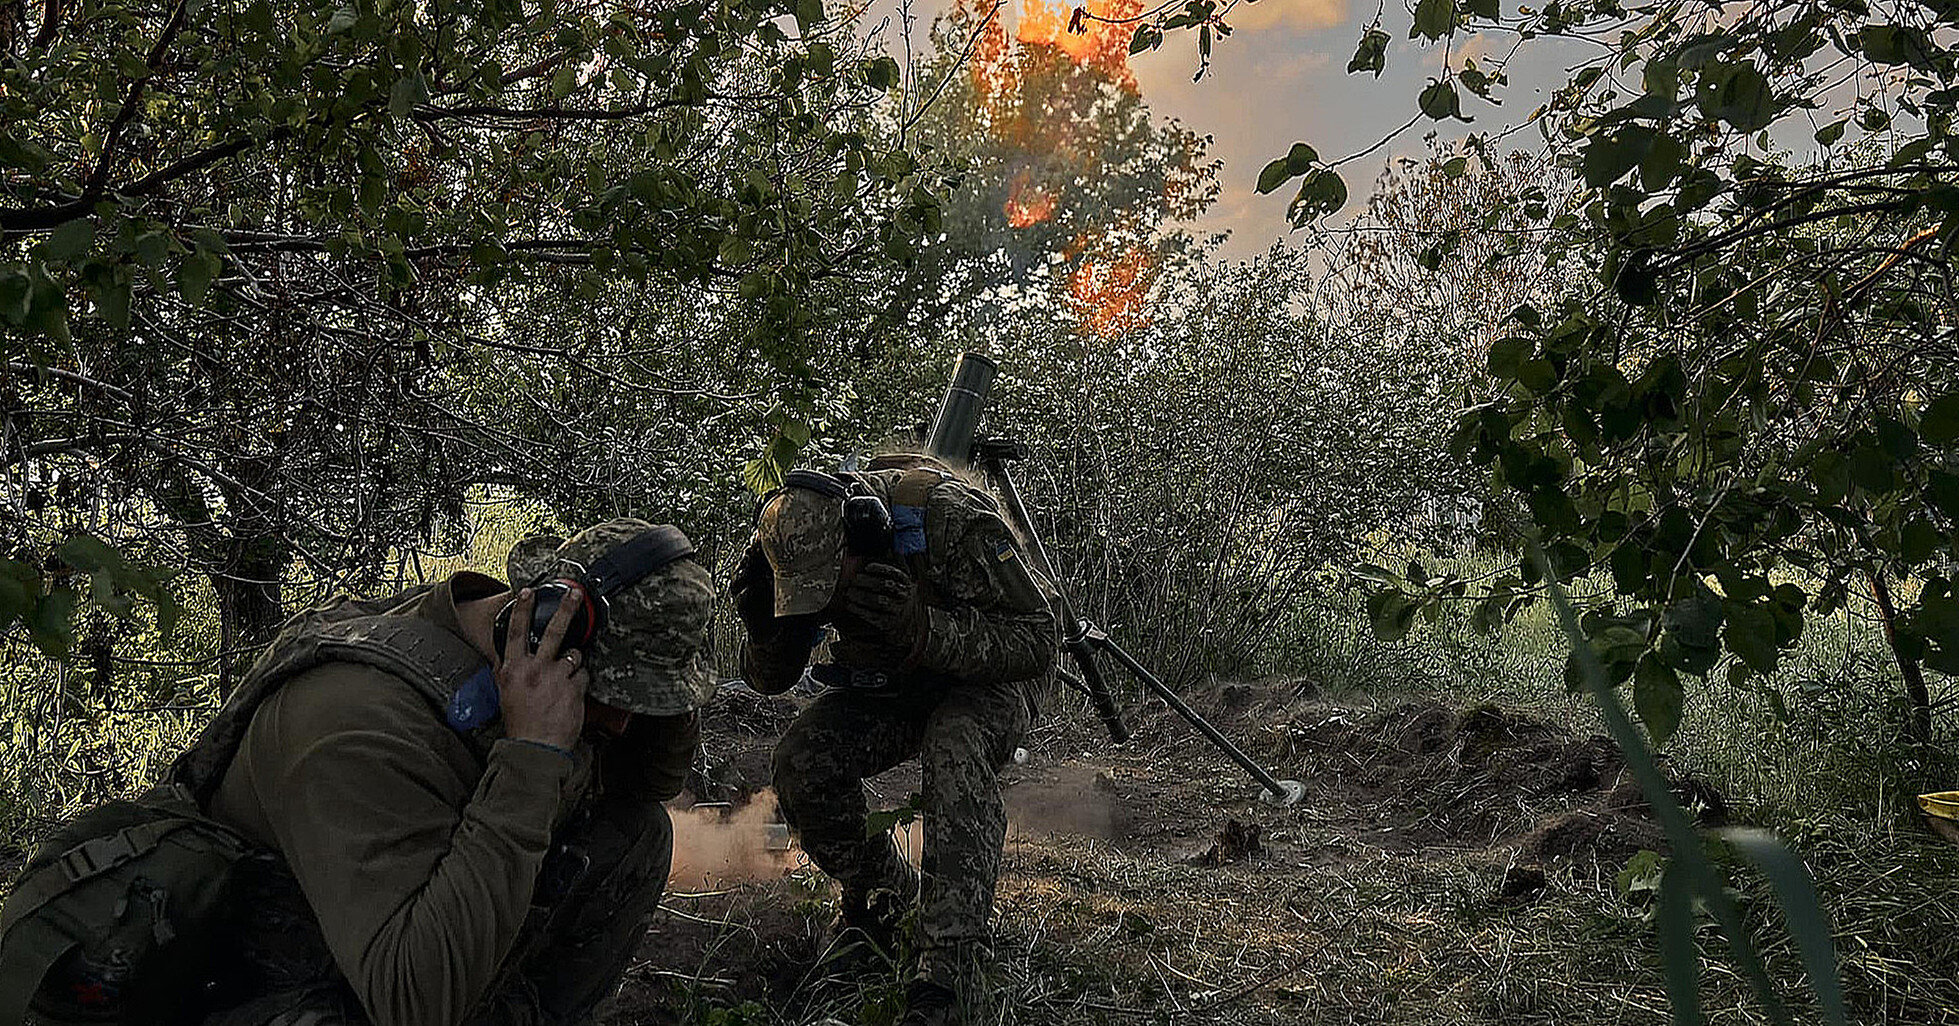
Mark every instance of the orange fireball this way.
pixel 1028 203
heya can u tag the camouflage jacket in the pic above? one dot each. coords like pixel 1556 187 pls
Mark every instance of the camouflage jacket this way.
pixel 990 617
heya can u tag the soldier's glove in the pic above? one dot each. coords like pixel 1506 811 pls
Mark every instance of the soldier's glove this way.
pixel 885 599
pixel 753 589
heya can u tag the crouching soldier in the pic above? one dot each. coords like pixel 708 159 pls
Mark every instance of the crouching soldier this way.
pixel 939 631
pixel 448 806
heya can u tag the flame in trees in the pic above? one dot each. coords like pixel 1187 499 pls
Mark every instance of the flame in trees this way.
pixel 1043 92
pixel 1111 295
pixel 1028 203
pixel 1100 42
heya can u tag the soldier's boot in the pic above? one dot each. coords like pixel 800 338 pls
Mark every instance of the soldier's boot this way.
pixel 930 1003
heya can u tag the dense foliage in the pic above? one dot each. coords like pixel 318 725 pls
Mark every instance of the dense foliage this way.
pixel 1764 379
pixel 257 261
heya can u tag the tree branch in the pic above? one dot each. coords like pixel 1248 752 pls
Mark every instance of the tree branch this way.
pixel 429 112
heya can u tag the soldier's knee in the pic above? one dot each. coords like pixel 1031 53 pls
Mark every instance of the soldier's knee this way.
pixel 803 769
pixel 961 760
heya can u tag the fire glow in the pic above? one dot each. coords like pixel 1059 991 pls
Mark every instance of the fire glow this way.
pixel 1027 203
pixel 1111 297
pixel 1101 42
pixel 1109 282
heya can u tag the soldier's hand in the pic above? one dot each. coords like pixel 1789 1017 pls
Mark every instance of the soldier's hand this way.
pixel 753 589
pixel 542 693
pixel 886 600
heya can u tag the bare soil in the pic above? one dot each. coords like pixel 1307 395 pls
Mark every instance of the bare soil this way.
pixel 1445 865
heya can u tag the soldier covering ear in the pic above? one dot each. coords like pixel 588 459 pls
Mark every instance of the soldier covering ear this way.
pixel 934 653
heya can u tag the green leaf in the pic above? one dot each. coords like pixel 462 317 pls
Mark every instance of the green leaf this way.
pixel 1673 926
pixel 88 554
pixel 1662 163
pixel 195 274
pixel 68 241
pixel 1919 540
pixel 1391 613
pixel 735 251
pixel 20 585
pixel 1440 100
pixel 1896 44
pixel 1938 423
pixel 1750 633
pixel 1371 54
pixel 809 15
pixel 1297 161
pixel 1657 697
pixel 408 91
pixel 881 74
pixel 1802 909
pixel 1943 491
pixel 169 612
pixel 1738 94
pixel 1301 158
pixel 51 624
pixel 1274 175
pixel 1434 19
pixel 1830 133
pixel 1610 156
pixel 1147 37
pixel 1507 355
pixel 1323 192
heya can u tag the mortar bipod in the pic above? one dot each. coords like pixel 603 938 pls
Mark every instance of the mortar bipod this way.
pixel 1084 639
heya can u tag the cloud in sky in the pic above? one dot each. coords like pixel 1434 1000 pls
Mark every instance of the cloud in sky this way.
pixel 1294 14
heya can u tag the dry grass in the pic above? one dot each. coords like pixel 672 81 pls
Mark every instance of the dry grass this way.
pixel 1386 898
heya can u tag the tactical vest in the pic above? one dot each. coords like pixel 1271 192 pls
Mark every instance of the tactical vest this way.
pixel 117 917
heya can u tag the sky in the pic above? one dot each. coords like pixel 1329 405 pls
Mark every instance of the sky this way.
pixel 1281 78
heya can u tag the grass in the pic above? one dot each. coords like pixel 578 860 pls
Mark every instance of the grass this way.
pixel 1816 751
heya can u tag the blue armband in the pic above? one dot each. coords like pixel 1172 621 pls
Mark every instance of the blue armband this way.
pixel 908 530
pixel 476 703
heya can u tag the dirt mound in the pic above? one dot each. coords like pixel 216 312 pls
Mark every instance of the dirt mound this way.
pixel 1487 777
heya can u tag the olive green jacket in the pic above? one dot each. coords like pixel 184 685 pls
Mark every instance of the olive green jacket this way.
pixel 417 855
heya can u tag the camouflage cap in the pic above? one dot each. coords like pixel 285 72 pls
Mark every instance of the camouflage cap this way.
pixel 653 656
pixel 801 532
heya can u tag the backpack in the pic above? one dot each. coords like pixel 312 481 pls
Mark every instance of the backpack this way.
pixel 120 917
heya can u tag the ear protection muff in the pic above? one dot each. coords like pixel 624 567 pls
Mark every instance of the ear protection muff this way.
pixel 866 520
pixel 619 568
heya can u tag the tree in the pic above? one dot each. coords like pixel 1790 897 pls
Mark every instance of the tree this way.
pixel 242 248
pixel 1765 377
pixel 1061 192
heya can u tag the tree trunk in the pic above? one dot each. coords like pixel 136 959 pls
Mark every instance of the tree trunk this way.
pixel 1920 724
pixel 249 589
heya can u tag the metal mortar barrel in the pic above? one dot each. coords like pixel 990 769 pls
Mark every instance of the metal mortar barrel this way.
pixel 959 412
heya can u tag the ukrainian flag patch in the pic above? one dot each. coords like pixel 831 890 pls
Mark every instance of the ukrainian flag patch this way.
pixel 1004 551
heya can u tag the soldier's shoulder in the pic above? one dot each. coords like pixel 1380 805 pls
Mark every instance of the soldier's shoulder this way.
pixel 336 697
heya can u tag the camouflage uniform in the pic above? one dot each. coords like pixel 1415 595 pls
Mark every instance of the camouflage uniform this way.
pixel 957 696
pixel 418 872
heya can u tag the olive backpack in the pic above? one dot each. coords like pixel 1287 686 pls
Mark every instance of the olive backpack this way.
pixel 116 918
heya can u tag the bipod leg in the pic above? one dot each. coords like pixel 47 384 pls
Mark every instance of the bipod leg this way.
pixel 1083 653
pixel 1277 792
pixel 1077 643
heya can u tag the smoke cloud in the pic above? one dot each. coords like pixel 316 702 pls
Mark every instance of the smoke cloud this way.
pixel 1294 14
pixel 714 846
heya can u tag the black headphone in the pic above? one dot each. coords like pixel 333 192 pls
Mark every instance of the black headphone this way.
pixel 621 567
pixel 866 519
